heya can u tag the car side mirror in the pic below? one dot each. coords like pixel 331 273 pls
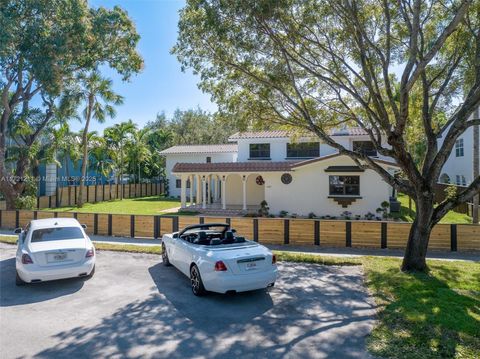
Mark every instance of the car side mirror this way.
pixel 175 235
pixel 84 226
pixel 18 230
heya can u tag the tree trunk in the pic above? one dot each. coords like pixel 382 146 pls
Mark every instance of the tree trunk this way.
pixel 7 188
pixel 85 152
pixel 416 251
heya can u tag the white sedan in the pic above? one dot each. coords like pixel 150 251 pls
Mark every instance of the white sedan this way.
pixel 216 259
pixel 54 248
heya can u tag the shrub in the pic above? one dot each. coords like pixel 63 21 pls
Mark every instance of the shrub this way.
pixel 312 215
pixel 283 214
pixel 26 202
pixel 264 209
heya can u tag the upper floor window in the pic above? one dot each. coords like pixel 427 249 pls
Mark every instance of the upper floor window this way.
pixel 209 159
pixel 344 185
pixel 304 149
pixel 259 150
pixel 365 147
pixel 459 147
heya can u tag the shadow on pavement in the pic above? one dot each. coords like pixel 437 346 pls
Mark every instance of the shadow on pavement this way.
pixel 313 312
pixel 11 295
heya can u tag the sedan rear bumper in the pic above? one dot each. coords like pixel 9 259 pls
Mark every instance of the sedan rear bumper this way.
pixel 222 282
pixel 36 273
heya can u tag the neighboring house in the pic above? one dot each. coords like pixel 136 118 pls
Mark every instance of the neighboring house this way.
pixel 458 168
pixel 296 174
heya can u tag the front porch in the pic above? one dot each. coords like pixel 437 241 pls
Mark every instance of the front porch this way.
pixel 224 188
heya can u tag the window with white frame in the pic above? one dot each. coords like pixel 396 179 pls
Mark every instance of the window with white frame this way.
pixel 461 181
pixel 459 147
pixel 344 185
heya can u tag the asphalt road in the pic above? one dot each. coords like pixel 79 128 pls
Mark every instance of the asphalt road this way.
pixel 135 307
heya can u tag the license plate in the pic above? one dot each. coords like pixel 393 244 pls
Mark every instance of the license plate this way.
pixel 250 266
pixel 57 257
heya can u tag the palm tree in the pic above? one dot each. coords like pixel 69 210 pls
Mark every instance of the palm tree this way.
pixel 117 138
pixel 138 151
pixel 96 93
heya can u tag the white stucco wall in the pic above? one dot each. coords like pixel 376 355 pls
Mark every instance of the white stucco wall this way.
pixel 172 159
pixel 460 165
pixel 309 190
pixel 278 146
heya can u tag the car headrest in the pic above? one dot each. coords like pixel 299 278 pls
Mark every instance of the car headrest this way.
pixel 202 235
pixel 229 235
pixel 215 241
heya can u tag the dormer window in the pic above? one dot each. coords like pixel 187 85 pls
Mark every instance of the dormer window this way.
pixel 303 150
pixel 260 151
pixel 365 147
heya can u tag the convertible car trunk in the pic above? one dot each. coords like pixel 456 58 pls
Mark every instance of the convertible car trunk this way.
pixel 244 259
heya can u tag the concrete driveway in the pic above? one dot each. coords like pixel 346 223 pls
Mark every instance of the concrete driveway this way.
pixel 135 307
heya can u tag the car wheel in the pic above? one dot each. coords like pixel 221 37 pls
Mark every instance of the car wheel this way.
pixel 19 281
pixel 165 260
pixel 196 280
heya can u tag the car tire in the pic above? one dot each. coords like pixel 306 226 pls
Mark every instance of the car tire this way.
pixel 165 260
pixel 196 281
pixel 91 273
pixel 19 281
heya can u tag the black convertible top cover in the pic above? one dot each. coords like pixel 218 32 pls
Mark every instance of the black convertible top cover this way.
pixel 204 226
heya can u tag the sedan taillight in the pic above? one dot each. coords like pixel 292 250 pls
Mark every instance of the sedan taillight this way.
pixel 274 259
pixel 90 253
pixel 26 259
pixel 220 266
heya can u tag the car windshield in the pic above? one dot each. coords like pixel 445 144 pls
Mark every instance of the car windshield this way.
pixel 56 234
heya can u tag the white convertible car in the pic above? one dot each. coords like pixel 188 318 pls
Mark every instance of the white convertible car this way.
pixel 54 248
pixel 216 259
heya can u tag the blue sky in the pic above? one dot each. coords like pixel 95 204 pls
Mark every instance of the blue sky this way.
pixel 161 86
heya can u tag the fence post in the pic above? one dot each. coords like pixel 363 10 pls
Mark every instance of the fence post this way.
pixel 109 224
pixel 35 215
pixel 317 233
pixel 95 223
pixel 156 226
pixel 17 219
pixel 348 234
pixel 383 244
pixel 132 226
pixel 286 231
pixel 96 189
pixel 453 237
pixel 1 211
pixel 255 229
pixel 175 223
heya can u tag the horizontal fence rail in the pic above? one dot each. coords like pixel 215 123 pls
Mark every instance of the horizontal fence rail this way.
pixel 326 233
pixel 68 196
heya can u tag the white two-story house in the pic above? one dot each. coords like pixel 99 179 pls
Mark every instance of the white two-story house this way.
pixel 292 173
pixel 458 168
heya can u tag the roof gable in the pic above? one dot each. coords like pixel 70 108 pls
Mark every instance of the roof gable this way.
pixel 185 149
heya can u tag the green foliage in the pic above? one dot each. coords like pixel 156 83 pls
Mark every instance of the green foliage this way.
pixel 264 209
pixel 26 202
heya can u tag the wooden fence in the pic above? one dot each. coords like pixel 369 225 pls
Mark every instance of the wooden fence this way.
pixel 326 233
pixel 441 194
pixel 68 196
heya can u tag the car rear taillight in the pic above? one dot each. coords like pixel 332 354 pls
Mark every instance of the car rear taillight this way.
pixel 220 267
pixel 274 259
pixel 26 259
pixel 90 253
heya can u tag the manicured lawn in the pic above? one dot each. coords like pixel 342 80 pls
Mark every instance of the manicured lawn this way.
pixel 419 315
pixel 409 216
pixel 435 315
pixel 140 205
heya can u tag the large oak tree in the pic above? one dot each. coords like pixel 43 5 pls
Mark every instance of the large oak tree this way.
pixel 43 45
pixel 390 67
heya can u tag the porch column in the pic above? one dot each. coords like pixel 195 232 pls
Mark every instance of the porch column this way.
pixel 224 199
pixel 191 178
pixel 209 188
pixel 244 183
pixel 217 188
pixel 199 190
pixel 204 192
pixel 183 192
